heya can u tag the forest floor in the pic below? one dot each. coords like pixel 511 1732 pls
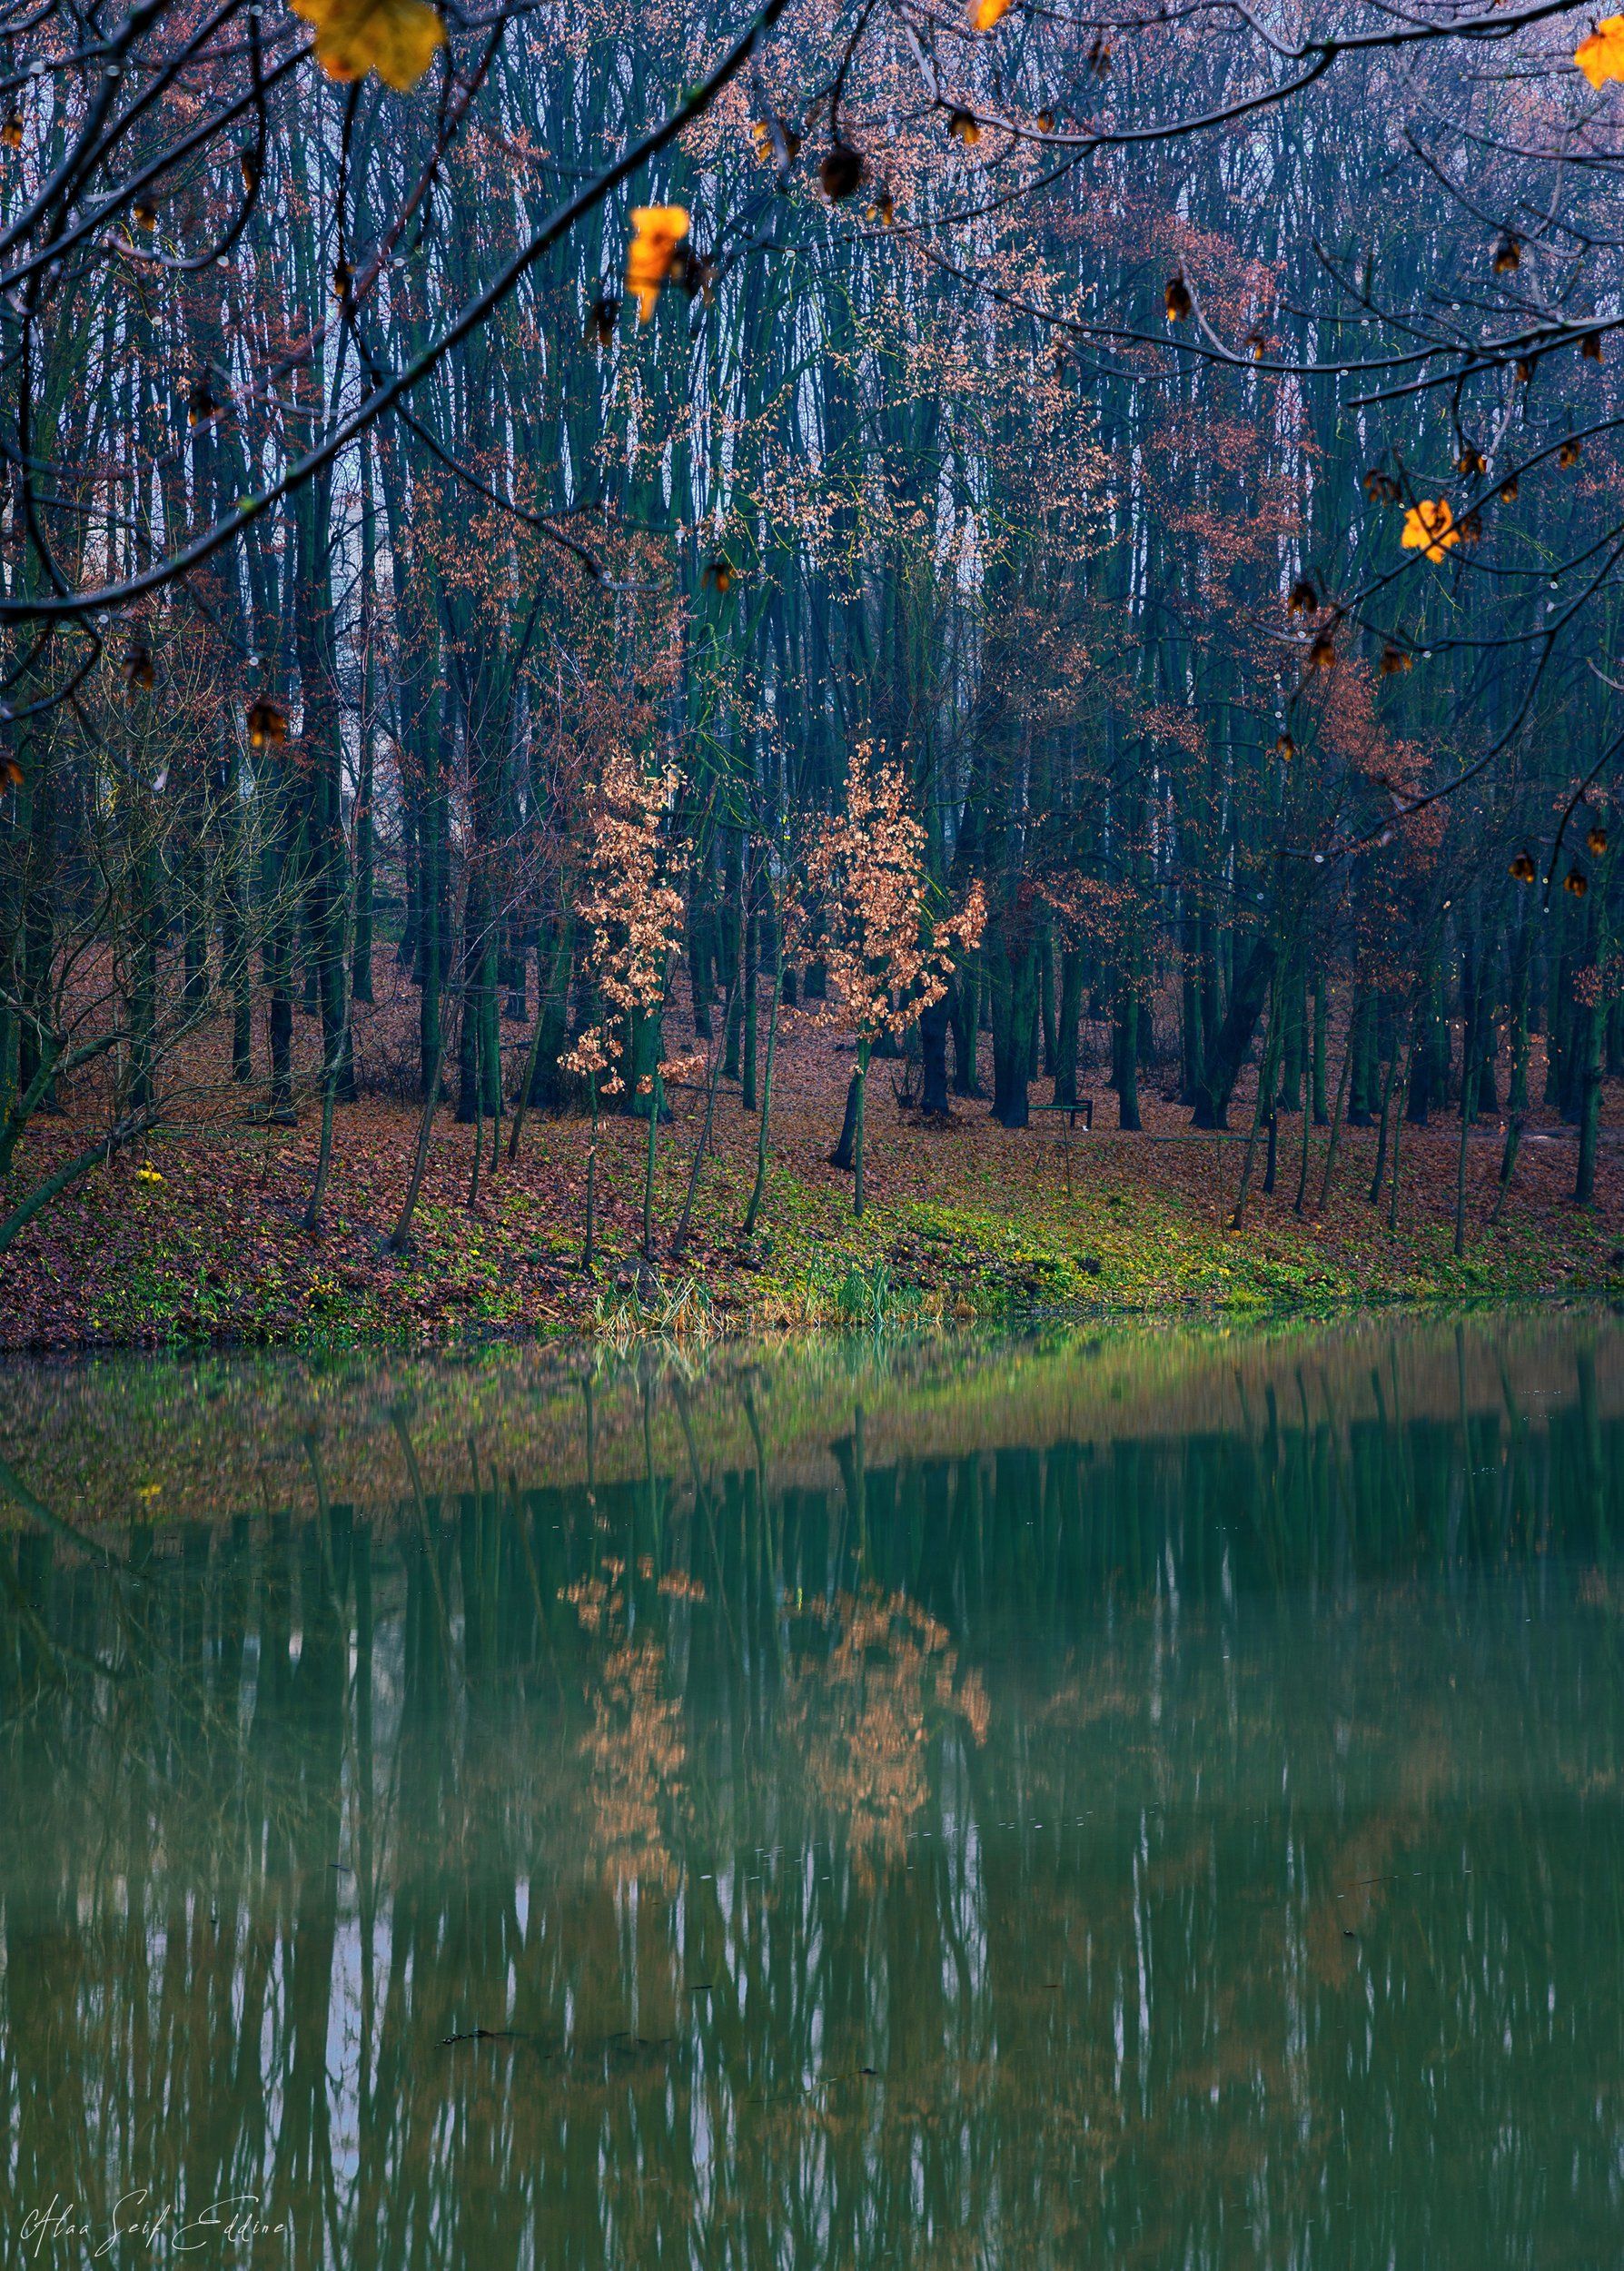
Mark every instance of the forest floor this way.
pixel 198 1234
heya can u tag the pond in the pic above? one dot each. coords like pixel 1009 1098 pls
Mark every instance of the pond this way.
pixel 1149 1796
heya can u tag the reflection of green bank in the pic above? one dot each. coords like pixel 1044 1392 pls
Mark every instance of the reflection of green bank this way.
pixel 1149 1798
pixel 136 1438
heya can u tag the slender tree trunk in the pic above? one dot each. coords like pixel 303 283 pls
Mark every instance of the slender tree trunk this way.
pixel 329 1088
pixel 1065 1039
pixel 1336 1119
pixel 844 1151
pixel 1322 1028
pixel 965 1008
pixel 752 934
pixel 656 1096
pixel 1397 1125
pixel 1127 1056
pixel 753 1210
pixel 1589 1113
pixel 588 1252
pixel 478 1094
pixel 1301 1201
pixel 1228 1052
pixel 712 1081
pixel 1264 1102
pixel 61 1178
pixel 402 1229
pixel 1469 1113
pixel 1508 1164
pixel 856 1202
pixel 1589 1045
pixel 1388 1086
pixel 361 960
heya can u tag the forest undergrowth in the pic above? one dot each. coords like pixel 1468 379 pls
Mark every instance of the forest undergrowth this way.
pixel 198 1234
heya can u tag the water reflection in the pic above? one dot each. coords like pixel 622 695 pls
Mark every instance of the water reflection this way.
pixel 1006 1805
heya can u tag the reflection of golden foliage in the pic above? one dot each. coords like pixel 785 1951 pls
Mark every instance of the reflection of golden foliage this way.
pixel 592 1601
pixel 863 1716
pixel 1369 1862
pixel 635 1753
pixel 675 1585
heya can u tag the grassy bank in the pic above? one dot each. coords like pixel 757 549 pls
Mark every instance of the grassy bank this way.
pixel 200 1236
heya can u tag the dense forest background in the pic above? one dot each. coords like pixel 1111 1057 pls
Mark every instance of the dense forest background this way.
pixel 1047 576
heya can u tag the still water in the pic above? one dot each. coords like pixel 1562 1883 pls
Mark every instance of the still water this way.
pixel 1145 1798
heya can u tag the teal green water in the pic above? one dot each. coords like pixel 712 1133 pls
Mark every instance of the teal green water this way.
pixel 1146 1799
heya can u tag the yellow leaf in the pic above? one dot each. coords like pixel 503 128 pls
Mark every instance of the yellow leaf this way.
pixel 656 233
pixel 985 14
pixel 395 38
pixel 1429 527
pixel 1601 57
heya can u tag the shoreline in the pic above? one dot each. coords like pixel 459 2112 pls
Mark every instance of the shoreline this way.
pixel 200 1242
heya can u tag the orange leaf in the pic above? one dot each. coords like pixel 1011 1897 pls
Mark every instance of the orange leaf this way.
pixel 1601 57
pixel 398 39
pixel 656 233
pixel 1429 527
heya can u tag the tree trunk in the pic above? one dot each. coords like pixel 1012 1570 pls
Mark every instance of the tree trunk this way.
pixel 1014 1012
pixel 933 1059
pixel 1228 1052
pixel 1071 1010
pixel 965 1013
pixel 844 1152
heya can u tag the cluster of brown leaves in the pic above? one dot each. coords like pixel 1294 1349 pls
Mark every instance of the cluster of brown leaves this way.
pixel 634 1750
pixel 863 1716
pixel 889 955
pixel 631 906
